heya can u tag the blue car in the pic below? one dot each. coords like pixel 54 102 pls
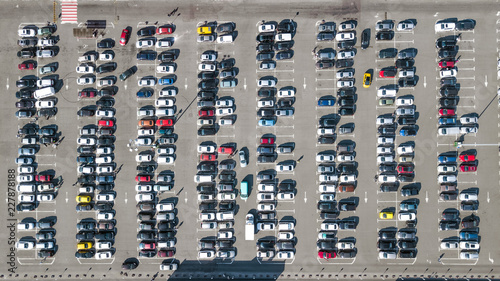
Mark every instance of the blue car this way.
pixel 447 121
pixel 326 102
pixel 407 132
pixel 447 159
pixel 166 81
pixel 266 122
pixel 144 94
pixel 465 235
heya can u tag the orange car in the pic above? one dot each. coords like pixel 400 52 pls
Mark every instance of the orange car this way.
pixel 146 123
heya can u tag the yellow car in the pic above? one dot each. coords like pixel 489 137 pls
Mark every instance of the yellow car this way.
pixel 367 80
pixel 84 245
pixel 386 215
pixel 83 199
pixel 204 30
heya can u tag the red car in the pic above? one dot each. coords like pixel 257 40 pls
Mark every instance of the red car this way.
pixel 147 246
pixel 124 37
pixel 140 178
pixel 26 65
pixel 327 255
pixel 447 63
pixel 167 29
pixel 387 73
pixel 87 93
pixel 206 112
pixel 43 178
pixel 405 169
pixel 165 253
pixel 468 167
pixel 266 140
pixel 164 122
pixel 106 123
pixel 226 150
pixel 467 157
pixel 446 112
pixel 208 157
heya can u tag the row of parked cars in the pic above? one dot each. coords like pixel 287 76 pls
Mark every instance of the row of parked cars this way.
pixel 213 31
pixel 44 241
pixel 275 40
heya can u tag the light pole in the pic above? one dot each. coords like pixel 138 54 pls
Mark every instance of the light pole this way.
pixel 296 15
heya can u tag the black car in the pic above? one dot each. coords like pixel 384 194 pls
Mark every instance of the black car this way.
pixel 147 253
pixel 265 112
pixel 106 131
pixel 387 130
pixel 284 55
pixel 106 43
pixel 448 81
pixel 227 176
pixel 347 205
pixel 266 244
pixel 386 168
pixel 206 189
pixel 26 53
pixel 28 129
pixel 467 24
pixel 225 64
pixel 85 112
pixel 346 254
pixel 129 265
pixel 450 52
pixel 327 122
pixel 266 92
pixel 388 53
pixel 46 131
pixel 264 56
pixel 206 131
pixel 106 67
pixel 347 224
pixel 85 235
pixel 25 83
pixel 226 206
pixel 264 47
pixel 265 37
pixel 207 167
pixel 387 234
pixel 327 206
pixel 346 101
pixel 107 235
pixel 448 91
pixel 26 93
pixel 386 244
pixel 328 215
pixel 389 187
pixel 449 225
pixel 25 207
pixel 345 92
pixel 408 254
pixel 146 31
pixel 344 63
pixel 266 159
pixel 407 82
pixel 446 42
pixel 288 185
pixel 385 35
pixel 206 95
pixel 146 168
pixel 347 44
pixel 286 26
pixel 105 102
pixel 365 39
pixel 283 46
pixel 406 177
pixel 25 104
pixel 207 206
pixel 207 84
pixel 346 168
pixel 47 112
pixel 129 72
pixel 407 121
pixel 84 254
pixel 285 102
pixel 207 75
pixel 163 235
pixel 405 63
pixel 326 140
pixel 449 101
pixel 146 235
pixel 469 205
pixel 325 36
pixel 167 56
pixel 225 27
pixel 87 159
pixel 409 190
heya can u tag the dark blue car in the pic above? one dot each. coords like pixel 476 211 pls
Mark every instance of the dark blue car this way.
pixel 326 102
pixel 447 121
pixel 144 94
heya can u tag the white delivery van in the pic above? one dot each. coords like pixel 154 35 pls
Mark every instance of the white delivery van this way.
pixel 224 216
pixel 203 178
pixel 44 92
pixel 446 131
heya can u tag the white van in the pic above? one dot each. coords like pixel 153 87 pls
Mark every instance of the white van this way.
pixel 203 178
pixel 286 226
pixel 223 216
pixel 283 37
pixel 162 187
pixel 266 187
pixel 26 188
pixel 44 92
pixel 165 111
pixel 225 39
pixel 449 131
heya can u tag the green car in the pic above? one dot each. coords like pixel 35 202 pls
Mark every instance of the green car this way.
pixel 385 101
pixel 47 30
pixel 47 69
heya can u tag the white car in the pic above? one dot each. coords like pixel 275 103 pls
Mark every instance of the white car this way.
pixel 326 131
pixel 164 102
pixel 108 197
pixel 469 245
pixel 465 196
pixel 45 197
pixel 285 236
pixel 207 216
pixel 85 68
pixel 384 150
pixel 345 74
pixel 86 170
pixel 25 245
pixel 404 101
pixel 405 149
pixel 208 57
pixel 406 216
pixel 224 103
pixel 25 178
pixel 445 73
pixel 103 255
pixel 267 27
pixel 165 69
pixel 385 140
pixel 466 255
pixel 45 82
pixel 86 140
pixel 105 113
pixel 447 178
pixel 202 148
pixel 226 196
pixel 85 58
pixel 345 245
pixel 405 25
pixel 144 43
pixel 406 73
pixel 105 82
pixel 345 83
pixel 26 32
pixel 144 197
pixel 326 188
pixel 263 196
pixel 443 25
pixel 146 81
pixel 327 197
pixel 386 93
pixel 384 159
pixel 387 255
pixel 265 82
pixel 285 196
pixel 449 245
pixel 25 169
pixel 329 226
pixel 226 38
pixel 345 158
pixel 143 188
pixel 286 92
pixel 284 168
pixel 168 92
pixel 266 187
pixel 265 207
pixel 328 178
pixel 105 216
pixel 405 111
pixel 104 150
pixel 347 178
pixel 226 254
pixel 28 198
pixel 145 132
pixel 85 80
pixel 25 226
pixel 207 67
pixel 165 207
pixel 344 36
pixel 164 43
pixel 206 254
pixel 224 234
pixel 225 122
pixel 223 111
pixel 447 168
pixel 468 130
pixel 283 255
pixel 106 56
pixel 468 120
pixel 346 26
pixel 143 158
pixel 266 226
pixel 104 169
pixel 103 245
pixel 346 54
pixel 385 120
pixel 324 158
pixel 387 178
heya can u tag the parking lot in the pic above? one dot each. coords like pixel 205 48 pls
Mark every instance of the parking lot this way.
pixel 301 181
